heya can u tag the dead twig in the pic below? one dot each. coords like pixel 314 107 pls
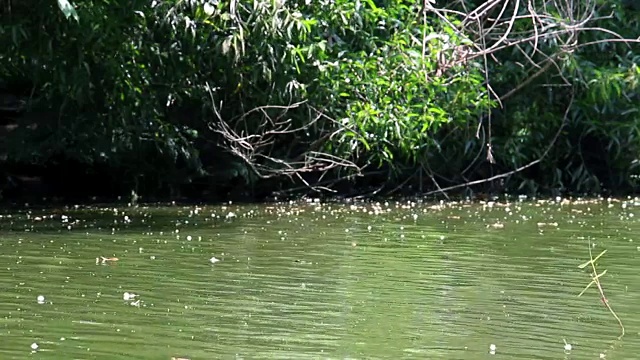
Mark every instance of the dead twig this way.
pixel 521 168
pixel 595 280
pixel 255 148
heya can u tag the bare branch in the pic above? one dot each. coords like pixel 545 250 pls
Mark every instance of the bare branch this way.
pixel 521 168
pixel 256 150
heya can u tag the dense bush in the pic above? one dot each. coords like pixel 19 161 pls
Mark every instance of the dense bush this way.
pixel 599 144
pixel 162 93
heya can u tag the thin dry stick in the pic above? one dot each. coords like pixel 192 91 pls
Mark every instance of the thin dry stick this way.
pixel 255 149
pixel 596 280
pixel 509 173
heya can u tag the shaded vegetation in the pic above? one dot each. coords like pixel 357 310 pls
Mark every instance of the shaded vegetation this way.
pixel 250 98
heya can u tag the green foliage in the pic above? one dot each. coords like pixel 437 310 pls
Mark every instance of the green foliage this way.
pixel 389 84
pixel 128 82
pixel 148 88
pixel 600 144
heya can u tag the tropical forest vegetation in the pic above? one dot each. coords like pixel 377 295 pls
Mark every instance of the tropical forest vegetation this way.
pixel 247 99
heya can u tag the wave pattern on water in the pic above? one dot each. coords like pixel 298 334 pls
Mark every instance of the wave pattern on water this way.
pixel 308 281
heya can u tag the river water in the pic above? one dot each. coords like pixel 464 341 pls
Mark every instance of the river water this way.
pixel 311 280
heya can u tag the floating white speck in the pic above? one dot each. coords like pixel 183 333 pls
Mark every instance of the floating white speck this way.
pixel 40 299
pixel 492 349
pixel 214 260
pixel 128 296
pixel 189 238
pixel 567 347
pixel 34 346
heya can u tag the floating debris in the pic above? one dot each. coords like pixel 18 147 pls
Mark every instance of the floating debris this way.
pixel 34 346
pixel 129 296
pixel 40 299
pixel 214 260
pixel 492 349
pixel 105 260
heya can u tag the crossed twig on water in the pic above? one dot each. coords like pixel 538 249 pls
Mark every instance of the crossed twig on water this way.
pixel 595 279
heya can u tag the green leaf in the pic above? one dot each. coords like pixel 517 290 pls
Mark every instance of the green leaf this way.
pixel 209 9
pixel 372 5
pixel 68 10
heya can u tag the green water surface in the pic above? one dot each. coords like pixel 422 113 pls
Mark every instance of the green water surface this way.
pixel 308 280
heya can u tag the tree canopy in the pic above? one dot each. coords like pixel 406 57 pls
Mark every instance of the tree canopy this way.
pixel 267 95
